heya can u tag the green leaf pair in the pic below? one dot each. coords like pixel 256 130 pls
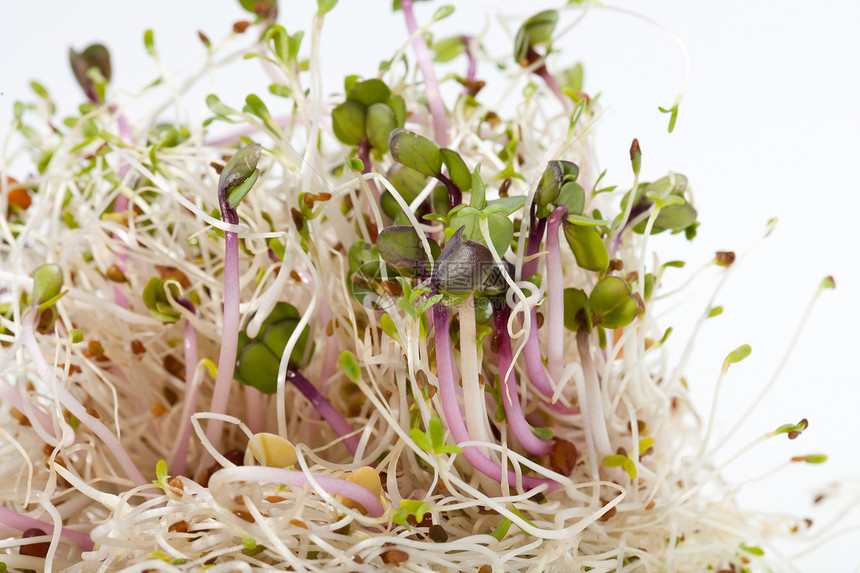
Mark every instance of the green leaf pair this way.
pixel 155 299
pixel 535 31
pixel 47 285
pixel 433 440
pixel 370 112
pixel 284 47
pixel 240 174
pixel 259 358
pixel 610 305
pixel 97 58
pixel 422 155
pixel 670 193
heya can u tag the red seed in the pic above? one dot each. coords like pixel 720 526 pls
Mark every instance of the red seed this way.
pixel 34 549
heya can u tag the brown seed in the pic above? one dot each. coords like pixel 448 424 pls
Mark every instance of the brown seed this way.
pixel 650 505
pixel 299 523
pixel 47 449
pixel 298 219
pixel 204 38
pixel 19 416
pixel 218 167
pixel 358 559
pixel 725 258
pixel 485 569
pixel 274 498
pixel 393 288
pixel 174 366
pixel 179 527
pixel 115 274
pixel 137 347
pixel 34 549
pixel 562 457
pixel 18 194
pixel 437 534
pixel 167 273
pixel 158 409
pixel 92 412
pixel 94 348
pixel 295 276
pixel 608 515
pixel 394 556
pixel 540 320
pixel 176 483
pixel 241 514
pixel 616 265
pixel 503 188
pixel 73 369
pixel 240 26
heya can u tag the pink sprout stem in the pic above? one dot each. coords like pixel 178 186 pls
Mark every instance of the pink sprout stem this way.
pixel 451 409
pixel 510 399
pixel 230 331
pixel 555 296
pixel 15 520
pixel 28 333
pixel 326 410
pixel 425 63
pixel 292 478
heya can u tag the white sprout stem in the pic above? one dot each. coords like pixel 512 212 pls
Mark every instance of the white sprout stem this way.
pixel 555 296
pixel 190 400
pixel 640 287
pixel 759 400
pixel 229 338
pixel 28 333
pixel 473 395
pixel 713 414
pixel 596 419
pixel 425 63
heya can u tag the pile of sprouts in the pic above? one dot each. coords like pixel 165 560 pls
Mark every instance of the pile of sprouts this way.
pixel 343 332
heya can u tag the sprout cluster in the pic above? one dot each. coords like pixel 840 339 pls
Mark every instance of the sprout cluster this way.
pixel 383 328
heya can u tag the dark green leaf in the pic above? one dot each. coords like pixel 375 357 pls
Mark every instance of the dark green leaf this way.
pixel 408 182
pixel 416 152
pixel 572 196
pixel 457 170
pixel 279 333
pixel 399 246
pixel 369 92
pixel 257 366
pixel 587 247
pixel 347 121
pixel 505 205
pixel 479 195
pixel 240 173
pixel 379 123
pixel 360 254
pixel 576 301
pixel 398 106
pixel 549 184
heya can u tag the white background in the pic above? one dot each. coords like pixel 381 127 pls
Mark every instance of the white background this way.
pixel 769 127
